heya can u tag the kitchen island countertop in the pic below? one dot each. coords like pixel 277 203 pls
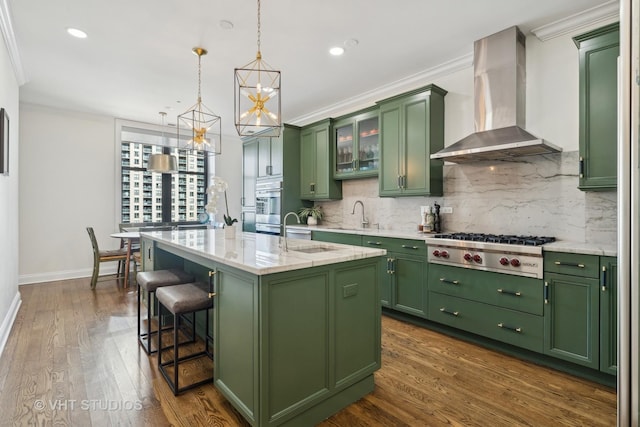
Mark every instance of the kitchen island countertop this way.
pixel 260 254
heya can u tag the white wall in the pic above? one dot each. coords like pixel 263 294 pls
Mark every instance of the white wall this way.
pixel 9 295
pixel 67 183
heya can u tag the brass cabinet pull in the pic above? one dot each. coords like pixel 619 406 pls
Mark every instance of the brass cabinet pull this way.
pixel 515 294
pixel 451 282
pixel 453 313
pixel 509 328
pixel 569 264
pixel 212 292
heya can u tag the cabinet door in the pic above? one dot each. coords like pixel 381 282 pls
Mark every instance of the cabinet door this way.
pixel 307 164
pixel 599 51
pixel 249 173
pixel 409 284
pixel 571 319
pixel 415 145
pixel 249 221
pixel 609 315
pixel 323 164
pixel 264 157
pixel 277 155
pixel 391 135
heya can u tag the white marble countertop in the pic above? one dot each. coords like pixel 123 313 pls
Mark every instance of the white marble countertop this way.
pixel 558 246
pixel 260 254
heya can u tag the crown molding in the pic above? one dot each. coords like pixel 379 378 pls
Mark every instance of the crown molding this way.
pixel 368 98
pixel 605 13
pixel 6 27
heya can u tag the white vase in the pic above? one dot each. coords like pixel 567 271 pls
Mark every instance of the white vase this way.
pixel 229 231
pixel 312 220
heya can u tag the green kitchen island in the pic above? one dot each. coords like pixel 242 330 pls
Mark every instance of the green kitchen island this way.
pixel 297 332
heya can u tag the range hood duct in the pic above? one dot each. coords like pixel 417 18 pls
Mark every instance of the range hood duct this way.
pixel 499 67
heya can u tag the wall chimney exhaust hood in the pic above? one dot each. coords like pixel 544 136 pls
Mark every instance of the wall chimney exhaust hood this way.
pixel 499 67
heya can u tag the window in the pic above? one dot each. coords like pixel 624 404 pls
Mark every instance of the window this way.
pixel 158 197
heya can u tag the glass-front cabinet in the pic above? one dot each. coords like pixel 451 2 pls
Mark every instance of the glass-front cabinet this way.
pixel 356 145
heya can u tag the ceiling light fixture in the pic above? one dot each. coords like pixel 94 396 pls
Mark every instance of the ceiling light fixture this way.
pixel 77 33
pixel 163 163
pixel 204 125
pixel 336 51
pixel 257 96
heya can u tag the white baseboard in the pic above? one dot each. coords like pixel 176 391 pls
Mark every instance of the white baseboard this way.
pixel 8 320
pixel 27 279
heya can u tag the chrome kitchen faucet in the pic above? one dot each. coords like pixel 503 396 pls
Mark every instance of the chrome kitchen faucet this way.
pixel 364 221
pixel 284 228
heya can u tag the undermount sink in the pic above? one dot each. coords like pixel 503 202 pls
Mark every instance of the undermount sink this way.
pixel 314 250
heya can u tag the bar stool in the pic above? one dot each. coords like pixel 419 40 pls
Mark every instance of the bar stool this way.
pixel 181 300
pixel 150 281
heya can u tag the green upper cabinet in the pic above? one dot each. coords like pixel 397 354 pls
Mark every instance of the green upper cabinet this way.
pixel 598 51
pixel 249 173
pixel 411 129
pixel 356 145
pixel 316 154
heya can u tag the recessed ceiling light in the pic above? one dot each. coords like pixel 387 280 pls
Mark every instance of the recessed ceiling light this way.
pixel 77 33
pixel 226 25
pixel 349 43
pixel 336 51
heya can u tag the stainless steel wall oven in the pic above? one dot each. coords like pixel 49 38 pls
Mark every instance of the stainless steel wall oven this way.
pixel 268 206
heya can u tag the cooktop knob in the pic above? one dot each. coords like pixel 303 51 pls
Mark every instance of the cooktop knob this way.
pixel 467 257
pixel 436 253
pixel 504 261
pixel 444 254
pixel 515 262
pixel 477 258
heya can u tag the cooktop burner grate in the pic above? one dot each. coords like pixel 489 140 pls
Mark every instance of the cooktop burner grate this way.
pixel 498 238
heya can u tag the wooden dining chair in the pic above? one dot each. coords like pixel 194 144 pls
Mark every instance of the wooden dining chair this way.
pixel 99 257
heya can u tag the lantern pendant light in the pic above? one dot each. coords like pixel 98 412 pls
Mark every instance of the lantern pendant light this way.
pixel 163 163
pixel 257 96
pixel 203 131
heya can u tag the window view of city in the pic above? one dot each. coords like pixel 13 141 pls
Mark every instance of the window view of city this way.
pixel 142 190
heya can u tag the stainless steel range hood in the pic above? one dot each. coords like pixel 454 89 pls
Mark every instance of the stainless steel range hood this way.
pixel 499 66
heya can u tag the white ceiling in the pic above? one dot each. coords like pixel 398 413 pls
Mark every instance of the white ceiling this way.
pixel 137 59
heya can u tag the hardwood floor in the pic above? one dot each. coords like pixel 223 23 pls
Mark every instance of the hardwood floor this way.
pixel 72 359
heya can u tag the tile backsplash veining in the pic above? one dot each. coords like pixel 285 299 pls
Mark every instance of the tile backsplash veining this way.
pixel 535 195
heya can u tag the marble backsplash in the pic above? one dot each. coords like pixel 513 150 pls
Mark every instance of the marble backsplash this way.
pixel 534 195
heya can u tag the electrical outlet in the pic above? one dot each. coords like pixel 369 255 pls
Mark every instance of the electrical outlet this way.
pixel 446 209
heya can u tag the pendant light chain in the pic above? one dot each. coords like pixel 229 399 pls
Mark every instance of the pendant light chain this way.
pixel 259 56
pixel 199 77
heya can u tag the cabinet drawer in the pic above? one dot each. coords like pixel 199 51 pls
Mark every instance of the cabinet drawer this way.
pixel 504 290
pixel 513 327
pixel 344 238
pixel 573 264
pixel 407 246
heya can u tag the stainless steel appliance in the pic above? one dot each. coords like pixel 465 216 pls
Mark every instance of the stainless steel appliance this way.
pixel 268 206
pixel 508 254
pixel 499 69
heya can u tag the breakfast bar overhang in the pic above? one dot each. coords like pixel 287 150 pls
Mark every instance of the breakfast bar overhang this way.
pixel 296 331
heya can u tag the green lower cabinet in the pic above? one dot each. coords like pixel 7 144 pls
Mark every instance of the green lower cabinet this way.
pixel 510 326
pixel 609 315
pixel 571 319
pixel 343 238
pixel 406 283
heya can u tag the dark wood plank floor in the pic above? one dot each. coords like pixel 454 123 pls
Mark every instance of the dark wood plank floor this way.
pixel 72 359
